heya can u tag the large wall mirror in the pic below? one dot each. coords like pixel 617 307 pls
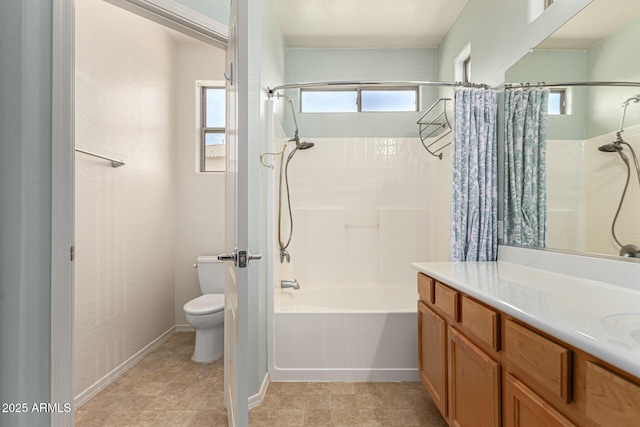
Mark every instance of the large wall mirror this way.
pixel 586 173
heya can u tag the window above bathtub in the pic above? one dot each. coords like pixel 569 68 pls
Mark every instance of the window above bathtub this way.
pixel 359 100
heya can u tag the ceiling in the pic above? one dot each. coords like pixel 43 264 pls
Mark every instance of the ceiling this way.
pixel 598 20
pixel 367 23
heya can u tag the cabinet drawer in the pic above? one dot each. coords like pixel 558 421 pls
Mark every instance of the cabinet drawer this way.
pixel 425 288
pixel 481 321
pixel 447 300
pixel 538 360
pixel 611 399
pixel 524 408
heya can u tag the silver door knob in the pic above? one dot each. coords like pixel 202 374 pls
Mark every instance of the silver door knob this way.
pixel 240 258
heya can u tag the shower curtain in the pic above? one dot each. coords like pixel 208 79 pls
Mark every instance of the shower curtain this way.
pixel 525 195
pixel 474 213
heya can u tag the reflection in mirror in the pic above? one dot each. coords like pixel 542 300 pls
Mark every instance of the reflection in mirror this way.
pixel 589 161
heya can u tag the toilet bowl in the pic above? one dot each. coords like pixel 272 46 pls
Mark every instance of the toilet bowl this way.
pixel 206 312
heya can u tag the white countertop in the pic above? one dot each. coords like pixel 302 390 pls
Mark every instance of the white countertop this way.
pixel 597 317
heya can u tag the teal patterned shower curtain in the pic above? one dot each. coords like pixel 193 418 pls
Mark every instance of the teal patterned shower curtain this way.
pixel 525 195
pixel 474 193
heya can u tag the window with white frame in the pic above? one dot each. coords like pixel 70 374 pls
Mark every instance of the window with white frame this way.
pixel 355 99
pixel 466 70
pixel 557 101
pixel 535 8
pixel 462 65
pixel 212 128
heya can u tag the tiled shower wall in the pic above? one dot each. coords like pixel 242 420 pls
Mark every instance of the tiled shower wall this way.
pixel 584 189
pixel 363 210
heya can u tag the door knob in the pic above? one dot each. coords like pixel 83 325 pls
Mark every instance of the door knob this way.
pixel 240 258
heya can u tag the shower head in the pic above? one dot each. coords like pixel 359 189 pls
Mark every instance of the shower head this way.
pixel 304 145
pixel 610 148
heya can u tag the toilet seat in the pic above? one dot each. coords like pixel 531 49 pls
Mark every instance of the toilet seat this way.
pixel 205 304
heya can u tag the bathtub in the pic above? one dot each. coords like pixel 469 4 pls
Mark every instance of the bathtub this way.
pixel 345 333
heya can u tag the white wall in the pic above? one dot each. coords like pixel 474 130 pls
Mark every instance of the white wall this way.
pixel 271 58
pixel 125 217
pixel 200 212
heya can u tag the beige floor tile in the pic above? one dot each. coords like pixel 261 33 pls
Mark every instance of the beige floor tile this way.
pixel 263 417
pixel 90 418
pixel 317 417
pixel 318 388
pixel 342 388
pixel 122 418
pixel 370 401
pixel 173 418
pixel 345 417
pixel 318 401
pixel 343 401
pixel 290 417
pixel 208 418
pixel 168 389
pixel 293 388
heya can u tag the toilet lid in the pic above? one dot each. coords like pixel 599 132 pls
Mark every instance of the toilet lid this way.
pixel 205 304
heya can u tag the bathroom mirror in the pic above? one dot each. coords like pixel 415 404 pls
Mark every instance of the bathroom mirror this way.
pixel 585 181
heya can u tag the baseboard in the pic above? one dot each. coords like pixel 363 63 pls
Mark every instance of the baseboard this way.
pixel 185 328
pixel 103 382
pixel 256 399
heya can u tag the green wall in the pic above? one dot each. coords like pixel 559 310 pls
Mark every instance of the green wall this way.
pixel 616 58
pixel 317 65
pixel 218 10
pixel 25 207
pixel 557 66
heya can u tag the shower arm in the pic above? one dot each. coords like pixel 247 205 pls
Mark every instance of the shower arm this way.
pixel 625 104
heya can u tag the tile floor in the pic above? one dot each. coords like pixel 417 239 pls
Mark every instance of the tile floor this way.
pixel 167 389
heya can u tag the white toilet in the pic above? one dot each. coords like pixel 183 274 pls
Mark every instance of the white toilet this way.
pixel 206 312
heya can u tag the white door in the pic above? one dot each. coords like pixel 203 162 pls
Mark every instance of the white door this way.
pixel 237 231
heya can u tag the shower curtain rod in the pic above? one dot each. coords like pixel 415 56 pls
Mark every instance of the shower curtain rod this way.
pixel 565 84
pixel 272 91
pixel 115 163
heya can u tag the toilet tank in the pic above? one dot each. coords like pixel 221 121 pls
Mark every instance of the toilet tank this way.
pixel 211 275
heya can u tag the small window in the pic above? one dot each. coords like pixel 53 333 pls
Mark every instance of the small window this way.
pixel 557 101
pixel 352 100
pixel 213 123
pixel 466 70
pixel 389 100
pixel 329 101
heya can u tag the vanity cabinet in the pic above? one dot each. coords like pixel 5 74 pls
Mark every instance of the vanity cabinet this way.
pixel 475 384
pixel 483 367
pixel 462 379
pixel 432 355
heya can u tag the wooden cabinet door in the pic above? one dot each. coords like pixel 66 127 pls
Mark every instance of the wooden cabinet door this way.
pixel 475 384
pixel 432 355
pixel 524 408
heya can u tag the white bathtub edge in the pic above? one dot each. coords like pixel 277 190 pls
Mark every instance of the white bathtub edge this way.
pixel 346 375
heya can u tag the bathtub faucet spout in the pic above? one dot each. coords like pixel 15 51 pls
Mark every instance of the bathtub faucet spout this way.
pixel 289 284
